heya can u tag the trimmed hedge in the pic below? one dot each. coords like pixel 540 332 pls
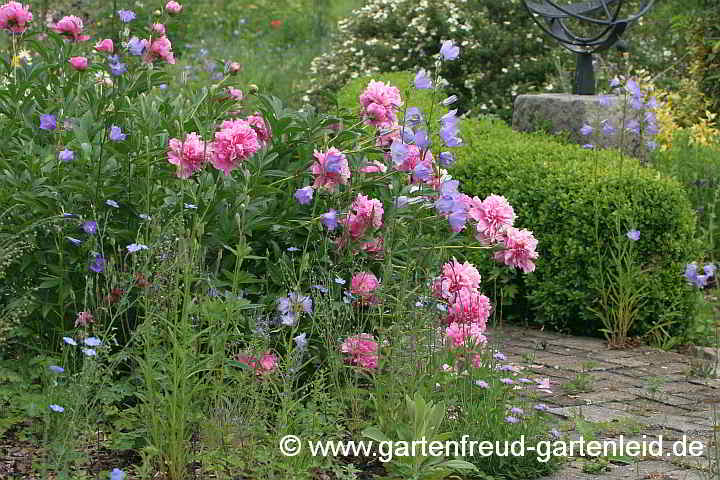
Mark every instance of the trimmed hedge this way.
pixel 556 190
pixel 559 191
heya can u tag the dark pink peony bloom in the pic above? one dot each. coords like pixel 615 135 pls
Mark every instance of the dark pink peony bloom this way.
pixel 105 45
pixel 160 48
pixel 71 27
pixel 189 155
pixel 234 142
pixel 79 63
pixel 14 17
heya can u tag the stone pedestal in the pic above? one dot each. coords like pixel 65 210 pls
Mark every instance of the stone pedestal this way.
pixel 566 114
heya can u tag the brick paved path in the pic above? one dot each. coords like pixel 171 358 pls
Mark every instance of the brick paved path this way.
pixel 633 392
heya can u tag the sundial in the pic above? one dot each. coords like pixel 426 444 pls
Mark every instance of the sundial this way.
pixel 603 16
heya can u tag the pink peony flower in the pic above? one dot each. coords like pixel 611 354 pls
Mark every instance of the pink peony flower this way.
pixel 15 17
pixel 414 158
pixel 160 48
pixel 234 67
pixel 366 361
pixel 84 319
pixel 72 27
pixel 461 334
pixel 330 169
pixel 387 135
pixel 363 284
pixel 379 102
pixel 235 93
pixel 189 155
pixel 469 306
pixel 365 213
pixel 105 45
pixel 267 363
pixel 261 127
pixel 79 63
pixel 234 142
pixel 362 349
pixel 262 366
pixel 519 249
pixel 173 7
pixel 374 167
pixel 158 28
pixel 492 215
pixel 455 277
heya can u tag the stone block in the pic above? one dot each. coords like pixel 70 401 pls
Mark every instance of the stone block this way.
pixel 561 113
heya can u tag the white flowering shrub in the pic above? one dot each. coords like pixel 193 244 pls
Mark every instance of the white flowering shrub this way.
pixel 504 53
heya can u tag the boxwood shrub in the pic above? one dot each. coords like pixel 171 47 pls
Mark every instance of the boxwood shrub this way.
pixel 577 202
pixel 564 194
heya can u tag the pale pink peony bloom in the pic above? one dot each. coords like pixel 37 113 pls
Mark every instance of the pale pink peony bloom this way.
pixel 519 249
pixel 365 213
pixel 362 349
pixel 72 27
pixel 330 169
pixel 374 167
pixel 235 93
pixel 262 366
pixel 14 17
pixel 455 277
pixel 267 363
pixel 105 45
pixel 379 101
pixel 189 155
pixel 79 63
pixel 388 135
pixel 234 142
pixel 469 306
pixel 492 215
pixel 84 319
pixel 160 48
pixel 173 7
pixel 371 209
pixel 261 127
pixel 363 284
pixel 461 334
pixel 158 28
pixel 414 158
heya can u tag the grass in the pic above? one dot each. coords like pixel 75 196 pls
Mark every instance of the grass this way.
pixel 274 42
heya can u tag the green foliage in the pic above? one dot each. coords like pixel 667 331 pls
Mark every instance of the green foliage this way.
pixel 421 422
pixel 273 41
pixel 572 200
pixel 621 291
pixel 703 34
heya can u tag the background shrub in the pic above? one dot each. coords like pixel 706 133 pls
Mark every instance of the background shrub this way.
pixel 575 202
pixel 503 52
pixel 704 33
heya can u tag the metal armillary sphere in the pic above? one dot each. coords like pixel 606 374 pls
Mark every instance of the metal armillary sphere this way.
pixel 602 13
